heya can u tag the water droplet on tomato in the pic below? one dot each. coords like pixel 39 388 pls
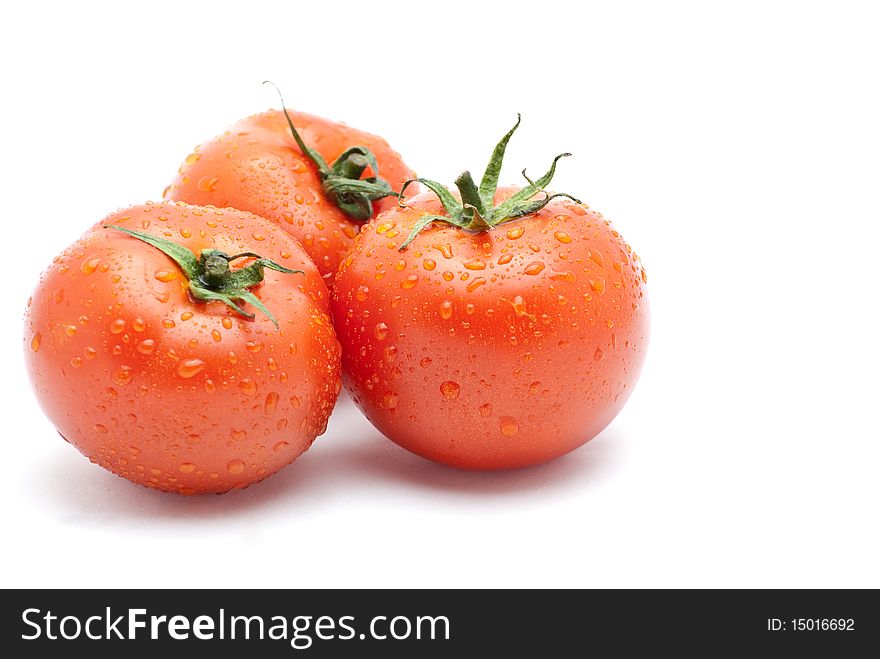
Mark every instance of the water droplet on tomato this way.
pixel 410 281
pixel 146 347
pixel 562 237
pixel 450 389
pixel 486 409
pixel 254 346
pixel 215 334
pixel 475 264
pixel 391 401
pixel 90 265
pixel 270 403
pixel 235 467
pixel 515 233
pixel 58 296
pixel 362 293
pixel 190 367
pixel 425 362
pixel 165 275
pixel 117 326
pixel 247 386
pixel 380 331
pixel 519 306
pixel 445 310
pixel 598 285
pixel 429 264
pixel 101 428
pixel 208 183
pixel 122 375
pixel 35 341
pixel 533 268
pixel 509 426
pixel 226 322
pixel 186 468
pixel 599 355
pixel 280 446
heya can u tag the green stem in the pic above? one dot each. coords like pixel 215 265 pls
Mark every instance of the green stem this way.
pixel 341 181
pixel 477 211
pixel 468 190
pixel 216 269
pixel 210 277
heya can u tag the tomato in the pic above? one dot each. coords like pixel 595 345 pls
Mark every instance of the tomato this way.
pixel 169 390
pixel 257 166
pixel 487 335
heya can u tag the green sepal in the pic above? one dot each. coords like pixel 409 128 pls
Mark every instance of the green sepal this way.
pixel 420 224
pixel 450 203
pixel 477 211
pixel 489 182
pixel 210 277
pixel 181 255
pixel 208 295
pixel 341 181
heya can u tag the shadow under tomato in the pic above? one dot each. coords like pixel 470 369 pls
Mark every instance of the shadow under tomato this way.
pixel 352 462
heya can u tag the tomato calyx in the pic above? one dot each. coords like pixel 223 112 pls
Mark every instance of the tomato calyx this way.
pixel 342 180
pixel 211 278
pixel 477 210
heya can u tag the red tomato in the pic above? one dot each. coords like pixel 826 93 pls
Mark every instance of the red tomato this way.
pixel 257 166
pixel 491 341
pixel 170 391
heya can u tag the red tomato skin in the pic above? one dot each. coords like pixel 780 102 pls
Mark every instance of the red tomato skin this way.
pixel 256 166
pixel 169 392
pixel 491 350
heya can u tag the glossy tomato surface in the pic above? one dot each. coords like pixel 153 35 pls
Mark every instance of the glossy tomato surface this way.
pixel 497 349
pixel 167 391
pixel 257 166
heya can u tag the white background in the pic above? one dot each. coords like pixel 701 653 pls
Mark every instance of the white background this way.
pixel 735 145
